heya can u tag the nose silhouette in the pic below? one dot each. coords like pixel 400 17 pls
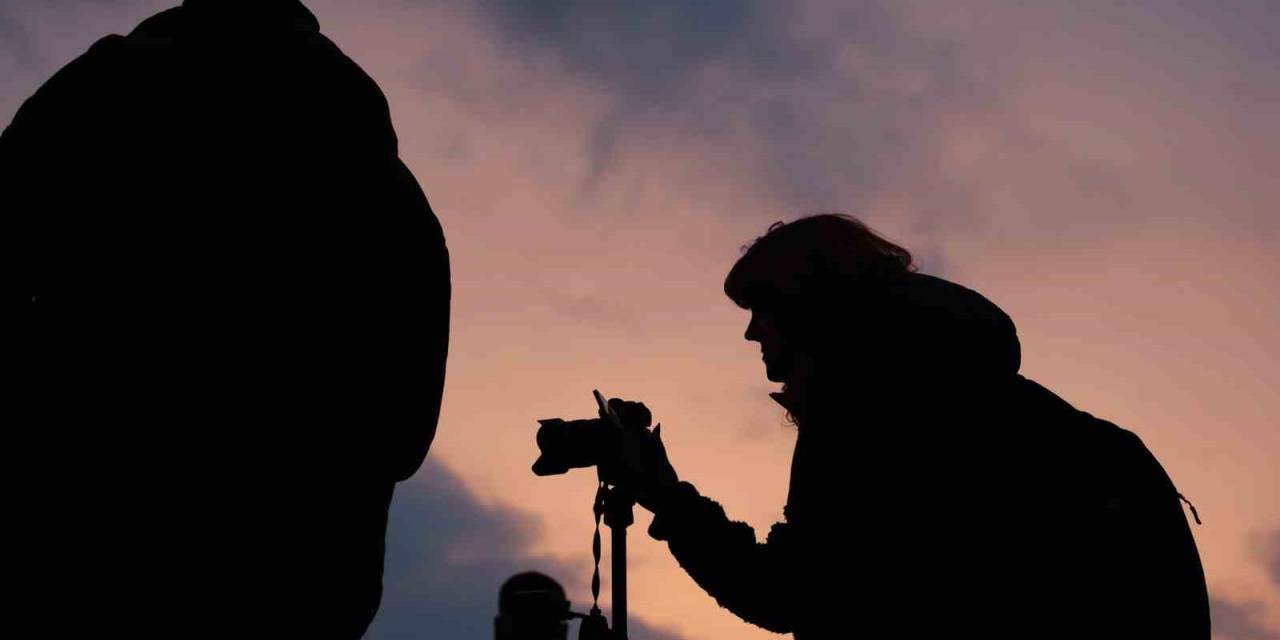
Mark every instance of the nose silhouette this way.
pixel 753 329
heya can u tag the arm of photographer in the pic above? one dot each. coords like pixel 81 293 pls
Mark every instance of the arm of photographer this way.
pixel 755 581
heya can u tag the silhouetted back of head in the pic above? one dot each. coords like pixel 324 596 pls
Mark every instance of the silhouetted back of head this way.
pixel 815 277
pixel 853 302
pixel 813 256
pixel 531 606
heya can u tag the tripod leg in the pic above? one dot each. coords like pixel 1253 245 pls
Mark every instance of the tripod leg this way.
pixel 620 582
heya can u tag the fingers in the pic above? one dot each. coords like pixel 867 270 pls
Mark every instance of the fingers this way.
pixel 632 414
pixel 666 472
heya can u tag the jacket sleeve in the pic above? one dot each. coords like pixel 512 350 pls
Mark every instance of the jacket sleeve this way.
pixel 753 580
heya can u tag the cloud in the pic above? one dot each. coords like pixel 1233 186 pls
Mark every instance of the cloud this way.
pixel 447 555
pixel 1271 550
pixel 644 48
pixel 820 106
pixel 14 41
pixel 1055 120
pixel 1249 620
pixel 1240 621
pixel 590 309
pixel 16 59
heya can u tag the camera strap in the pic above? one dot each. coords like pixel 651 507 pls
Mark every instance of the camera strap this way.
pixel 598 509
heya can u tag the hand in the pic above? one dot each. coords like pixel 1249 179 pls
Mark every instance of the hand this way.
pixel 642 466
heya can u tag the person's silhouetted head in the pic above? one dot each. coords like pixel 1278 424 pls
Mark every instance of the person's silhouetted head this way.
pixel 811 255
pixel 797 280
pixel 836 306
pixel 531 606
pixel 231 266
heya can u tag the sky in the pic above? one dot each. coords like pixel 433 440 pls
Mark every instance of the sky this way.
pixel 1101 169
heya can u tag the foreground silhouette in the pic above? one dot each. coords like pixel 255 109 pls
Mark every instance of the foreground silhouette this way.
pixel 531 606
pixel 934 491
pixel 238 330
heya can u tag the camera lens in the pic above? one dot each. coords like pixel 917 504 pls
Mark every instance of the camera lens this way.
pixel 572 444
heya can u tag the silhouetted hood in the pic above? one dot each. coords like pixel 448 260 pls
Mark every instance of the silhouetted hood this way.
pixel 248 13
pixel 942 327
pixel 229 17
pixel 914 338
pixel 230 265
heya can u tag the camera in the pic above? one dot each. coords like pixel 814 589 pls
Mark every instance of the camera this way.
pixel 599 442
pixel 574 444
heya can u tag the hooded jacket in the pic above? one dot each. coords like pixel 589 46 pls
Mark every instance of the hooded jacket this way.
pixel 238 329
pixel 935 492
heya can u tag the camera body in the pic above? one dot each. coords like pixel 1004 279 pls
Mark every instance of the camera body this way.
pixel 575 444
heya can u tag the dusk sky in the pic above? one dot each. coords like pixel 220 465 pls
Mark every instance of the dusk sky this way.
pixel 1104 170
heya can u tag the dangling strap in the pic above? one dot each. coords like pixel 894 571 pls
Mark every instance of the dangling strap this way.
pixel 1180 497
pixel 598 508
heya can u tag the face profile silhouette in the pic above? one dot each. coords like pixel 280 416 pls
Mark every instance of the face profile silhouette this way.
pixel 774 349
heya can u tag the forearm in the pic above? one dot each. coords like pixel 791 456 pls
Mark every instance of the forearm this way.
pixel 751 579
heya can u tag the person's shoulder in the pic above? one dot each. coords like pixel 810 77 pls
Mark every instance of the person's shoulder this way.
pixel 1056 418
pixel 1108 449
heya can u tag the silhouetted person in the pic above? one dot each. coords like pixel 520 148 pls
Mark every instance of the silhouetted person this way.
pixel 934 491
pixel 238 330
pixel 531 606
